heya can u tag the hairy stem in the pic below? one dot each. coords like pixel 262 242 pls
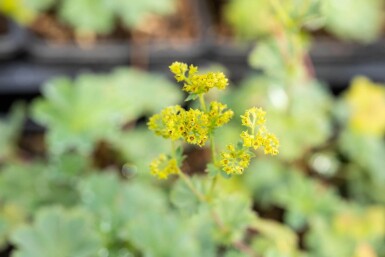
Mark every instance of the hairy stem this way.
pixel 202 102
pixel 190 185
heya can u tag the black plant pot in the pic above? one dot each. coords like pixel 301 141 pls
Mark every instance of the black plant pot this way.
pixel 338 62
pixel 12 41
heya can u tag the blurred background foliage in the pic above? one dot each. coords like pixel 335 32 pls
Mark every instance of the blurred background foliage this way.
pixel 88 192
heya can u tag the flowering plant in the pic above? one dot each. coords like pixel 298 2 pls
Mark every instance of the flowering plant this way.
pixel 197 126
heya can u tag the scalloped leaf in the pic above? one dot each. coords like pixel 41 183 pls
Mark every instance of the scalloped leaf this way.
pixel 10 129
pixel 186 201
pixel 79 113
pixel 57 233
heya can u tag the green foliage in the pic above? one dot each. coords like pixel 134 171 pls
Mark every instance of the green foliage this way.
pixel 139 146
pixel 362 20
pixel 298 115
pixel 10 129
pixel 89 16
pixel 132 12
pixel 252 19
pixel 264 18
pixel 24 11
pixel 353 232
pixel 278 63
pixel 273 184
pixel 182 197
pixel 365 170
pixel 136 217
pixel 31 186
pixel 91 108
pixel 234 217
pixel 26 188
pixel 275 240
pixel 99 16
pixel 57 232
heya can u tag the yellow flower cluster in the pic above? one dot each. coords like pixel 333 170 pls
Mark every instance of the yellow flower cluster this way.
pixel 194 126
pixel 167 123
pixel 197 83
pixel 163 166
pixel 234 160
pixel 174 123
pixel 179 69
pixel 366 100
pixel 262 138
pixel 217 114
pixel 254 119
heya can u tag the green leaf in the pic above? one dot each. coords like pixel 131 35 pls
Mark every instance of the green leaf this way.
pixel 87 16
pixel 364 172
pixel 140 146
pixel 10 129
pixel 11 217
pixel 362 23
pixel 183 198
pixel 275 239
pixel 91 108
pixel 38 5
pixel 32 186
pixel 347 231
pixel 57 233
pixel 212 170
pixel 191 97
pixel 134 13
pixel 235 215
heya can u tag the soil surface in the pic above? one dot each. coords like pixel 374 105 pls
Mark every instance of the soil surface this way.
pixel 3 26
pixel 178 27
pixel 222 30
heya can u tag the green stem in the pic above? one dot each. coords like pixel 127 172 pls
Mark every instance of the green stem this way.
pixel 281 13
pixel 213 184
pixel 213 153
pixel 202 102
pixel 185 178
pixel 190 185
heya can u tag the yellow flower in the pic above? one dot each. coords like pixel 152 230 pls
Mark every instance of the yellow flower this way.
pixel 258 135
pixel 197 83
pixel 196 126
pixel 234 161
pixel 271 144
pixel 179 69
pixel 168 123
pixel 366 100
pixel 253 117
pixel 218 116
pixel 163 166
pixel 248 140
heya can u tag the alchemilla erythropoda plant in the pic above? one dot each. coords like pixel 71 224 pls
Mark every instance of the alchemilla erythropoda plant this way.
pixel 197 127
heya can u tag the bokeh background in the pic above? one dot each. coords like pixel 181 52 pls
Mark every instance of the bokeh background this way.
pixel 79 79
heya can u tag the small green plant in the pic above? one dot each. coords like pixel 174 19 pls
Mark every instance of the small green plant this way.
pixel 24 11
pixel 99 17
pixel 197 126
pixel 91 108
pixel 264 17
pixel 89 17
pixel 10 130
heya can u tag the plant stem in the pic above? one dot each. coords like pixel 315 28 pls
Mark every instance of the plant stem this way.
pixel 202 102
pixel 240 245
pixel 190 185
pixel 281 13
